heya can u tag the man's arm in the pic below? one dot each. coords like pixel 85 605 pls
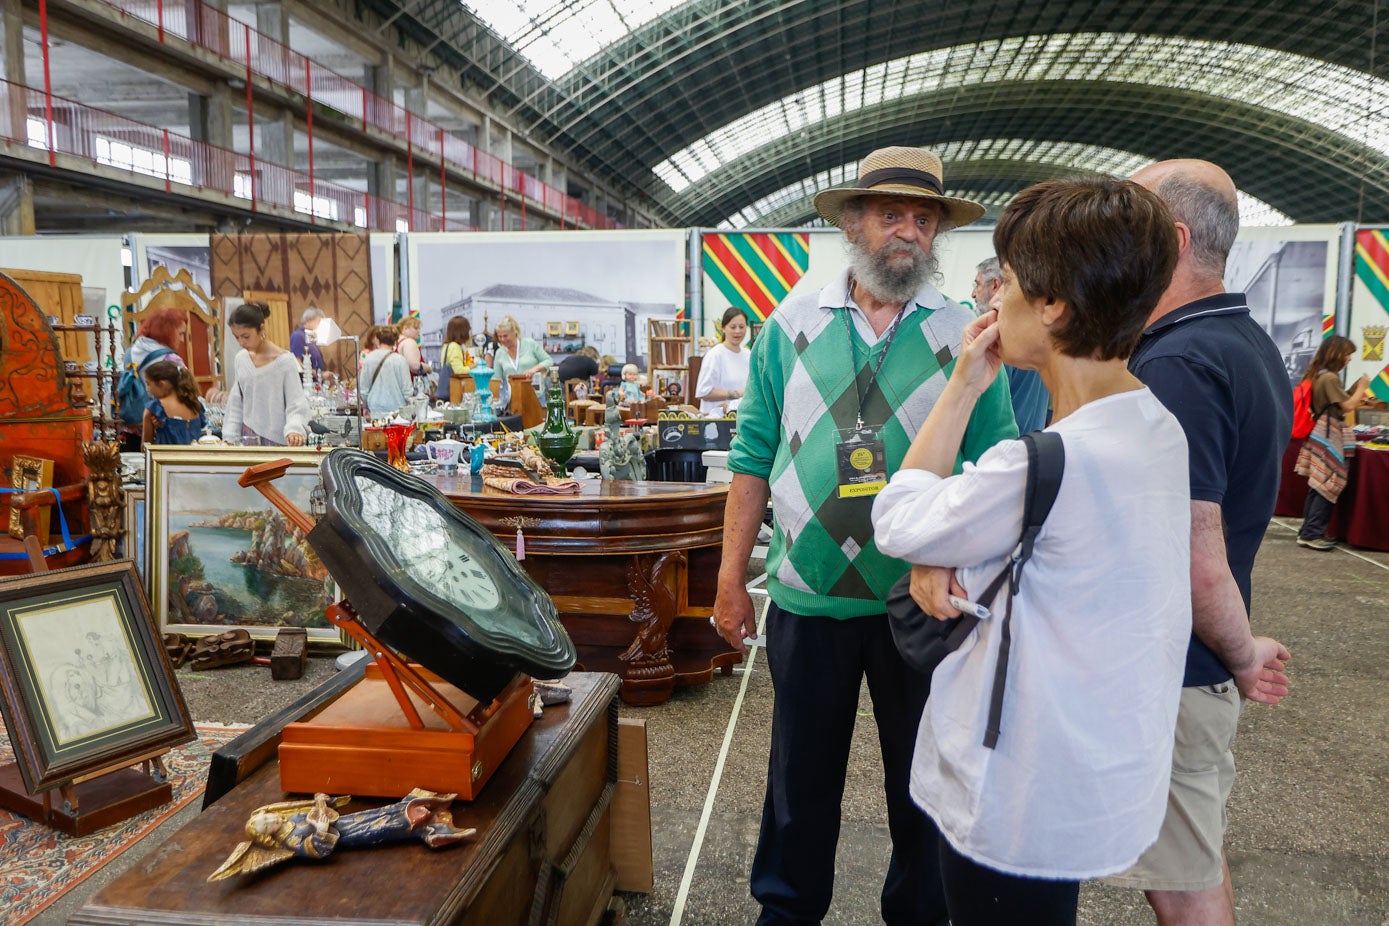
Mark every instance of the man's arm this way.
pixel 733 613
pixel 1218 616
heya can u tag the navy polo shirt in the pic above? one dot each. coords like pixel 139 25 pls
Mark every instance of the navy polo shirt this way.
pixel 1222 377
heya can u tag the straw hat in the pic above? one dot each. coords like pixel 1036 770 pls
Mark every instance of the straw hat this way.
pixel 898 171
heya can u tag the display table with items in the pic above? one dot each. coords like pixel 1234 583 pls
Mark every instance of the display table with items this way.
pixel 1361 516
pixel 542 852
pixel 632 568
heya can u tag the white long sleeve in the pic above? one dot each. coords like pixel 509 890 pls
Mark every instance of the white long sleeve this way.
pixel 269 400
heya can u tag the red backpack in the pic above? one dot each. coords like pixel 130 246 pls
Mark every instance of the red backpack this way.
pixel 1302 410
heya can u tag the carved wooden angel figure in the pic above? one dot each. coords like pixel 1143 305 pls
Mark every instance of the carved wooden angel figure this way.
pixel 282 831
pixel 314 829
pixel 105 498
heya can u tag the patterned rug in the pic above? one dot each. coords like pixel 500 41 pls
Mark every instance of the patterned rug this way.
pixel 39 864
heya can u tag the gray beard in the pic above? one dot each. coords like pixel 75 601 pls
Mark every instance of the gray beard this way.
pixel 888 282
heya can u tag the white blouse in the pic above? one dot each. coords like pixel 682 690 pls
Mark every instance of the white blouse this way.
pixel 721 368
pixel 1077 786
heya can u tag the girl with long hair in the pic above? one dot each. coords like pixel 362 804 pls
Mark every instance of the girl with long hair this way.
pixel 174 412
pixel 455 359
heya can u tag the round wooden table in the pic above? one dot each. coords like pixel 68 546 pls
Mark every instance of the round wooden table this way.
pixel 632 568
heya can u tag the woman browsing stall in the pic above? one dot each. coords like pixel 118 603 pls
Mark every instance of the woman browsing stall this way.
pixel 516 354
pixel 723 373
pixel 1323 456
pixel 385 376
pixel 267 405
pixel 456 359
pixel 1076 785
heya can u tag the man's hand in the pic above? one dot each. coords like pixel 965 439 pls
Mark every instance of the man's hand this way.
pixel 734 617
pixel 1263 679
pixel 932 587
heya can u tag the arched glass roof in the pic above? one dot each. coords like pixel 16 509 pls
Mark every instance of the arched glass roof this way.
pixel 791 205
pixel 1336 98
pixel 556 35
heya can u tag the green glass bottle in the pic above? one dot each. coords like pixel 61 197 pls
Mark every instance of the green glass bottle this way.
pixel 557 439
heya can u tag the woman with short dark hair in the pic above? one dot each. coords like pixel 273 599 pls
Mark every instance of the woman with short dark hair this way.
pixel 1076 785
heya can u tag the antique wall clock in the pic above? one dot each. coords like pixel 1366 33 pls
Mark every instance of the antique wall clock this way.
pixel 431 582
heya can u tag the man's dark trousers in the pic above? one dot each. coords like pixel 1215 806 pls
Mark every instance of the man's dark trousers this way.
pixel 817 665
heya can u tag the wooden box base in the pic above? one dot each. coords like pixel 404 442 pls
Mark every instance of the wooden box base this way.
pixel 362 745
pixel 101 801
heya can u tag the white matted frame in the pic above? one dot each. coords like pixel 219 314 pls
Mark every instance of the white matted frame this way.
pixel 219 555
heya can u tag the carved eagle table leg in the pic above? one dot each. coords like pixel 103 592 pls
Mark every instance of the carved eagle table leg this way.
pixel 651 581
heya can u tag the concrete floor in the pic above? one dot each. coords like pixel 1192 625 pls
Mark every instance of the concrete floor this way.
pixel 1309 817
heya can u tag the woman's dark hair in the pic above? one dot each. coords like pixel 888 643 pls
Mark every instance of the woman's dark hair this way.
pixel 163 325
pixel 459 330
pixel 1105 247
pixel 1332 356
pixel 732 313
pixel 249 315
pixel 185 387
pixel 387 336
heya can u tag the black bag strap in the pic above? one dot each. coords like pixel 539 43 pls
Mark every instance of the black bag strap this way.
pixel 1046 463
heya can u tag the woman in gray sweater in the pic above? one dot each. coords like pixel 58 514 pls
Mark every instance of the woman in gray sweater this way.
pixel 267 405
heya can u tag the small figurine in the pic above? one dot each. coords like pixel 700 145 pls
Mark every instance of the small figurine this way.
pixel 620 456
pixel 313 829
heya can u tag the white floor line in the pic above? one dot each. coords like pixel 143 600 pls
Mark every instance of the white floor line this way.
pixel 1343 549
pixel 678 913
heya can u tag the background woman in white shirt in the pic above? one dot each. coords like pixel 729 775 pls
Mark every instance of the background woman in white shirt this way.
pixel 267 404
pixel 1077 785
pixel 723 373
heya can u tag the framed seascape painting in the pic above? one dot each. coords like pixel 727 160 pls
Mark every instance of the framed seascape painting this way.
pixel 219 555
pixel 87 686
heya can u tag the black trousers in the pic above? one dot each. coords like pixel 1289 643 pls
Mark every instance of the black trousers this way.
pixel 1316 515
pixel 817 665
pixel 980 896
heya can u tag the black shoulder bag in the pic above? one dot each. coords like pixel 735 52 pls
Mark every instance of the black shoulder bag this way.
pixel 924 641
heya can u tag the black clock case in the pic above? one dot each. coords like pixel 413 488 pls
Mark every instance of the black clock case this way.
pixel 479 663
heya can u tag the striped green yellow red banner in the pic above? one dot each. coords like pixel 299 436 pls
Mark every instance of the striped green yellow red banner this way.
pixel 755 270
pixel 1328 326
pixel 1372 267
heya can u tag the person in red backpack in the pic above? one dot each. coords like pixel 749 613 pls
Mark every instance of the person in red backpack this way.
pixel 1323 457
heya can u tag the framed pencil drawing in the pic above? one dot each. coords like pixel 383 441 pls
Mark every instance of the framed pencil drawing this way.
pixel 219 555
pixel 86 684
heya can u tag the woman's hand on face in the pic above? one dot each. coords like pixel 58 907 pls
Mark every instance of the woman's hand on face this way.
pixel 979 360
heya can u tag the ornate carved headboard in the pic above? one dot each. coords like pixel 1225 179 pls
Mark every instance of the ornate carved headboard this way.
pixel 180 291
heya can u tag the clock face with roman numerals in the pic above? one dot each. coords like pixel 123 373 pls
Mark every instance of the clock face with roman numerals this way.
pixel 431 582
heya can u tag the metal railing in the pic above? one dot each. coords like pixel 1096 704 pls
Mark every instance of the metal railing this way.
pixel 56 125
pixel 201 25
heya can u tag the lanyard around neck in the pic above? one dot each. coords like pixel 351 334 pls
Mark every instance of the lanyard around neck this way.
pixel 853 356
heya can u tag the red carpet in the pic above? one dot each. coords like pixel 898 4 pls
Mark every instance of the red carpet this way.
pixel 38 864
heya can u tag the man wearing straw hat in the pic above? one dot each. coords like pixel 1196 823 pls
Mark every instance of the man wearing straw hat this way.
pixel 840 381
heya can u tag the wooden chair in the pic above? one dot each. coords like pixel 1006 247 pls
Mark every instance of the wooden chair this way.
pixel 38 419
pixel 181 291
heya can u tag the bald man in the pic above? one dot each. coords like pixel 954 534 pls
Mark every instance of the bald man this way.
pixel 1214 368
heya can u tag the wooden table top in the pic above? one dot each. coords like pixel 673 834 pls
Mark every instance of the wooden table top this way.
pixel 605 518
pixel 405 883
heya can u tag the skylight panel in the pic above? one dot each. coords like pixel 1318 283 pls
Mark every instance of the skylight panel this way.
pixel 1087 159
pixel 1320 93
pixel 557 36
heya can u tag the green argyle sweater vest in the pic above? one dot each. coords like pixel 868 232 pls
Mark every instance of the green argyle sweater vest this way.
pixel 801 391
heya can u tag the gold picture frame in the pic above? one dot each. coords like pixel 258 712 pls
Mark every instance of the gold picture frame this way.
pixel 218 555
pixel 553 329
pixel 30 474
pixel 571 329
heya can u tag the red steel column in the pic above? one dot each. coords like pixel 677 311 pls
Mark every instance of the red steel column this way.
pixel 47 86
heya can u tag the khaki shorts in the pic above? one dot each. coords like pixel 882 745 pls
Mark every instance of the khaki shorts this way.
pixel 1186 856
